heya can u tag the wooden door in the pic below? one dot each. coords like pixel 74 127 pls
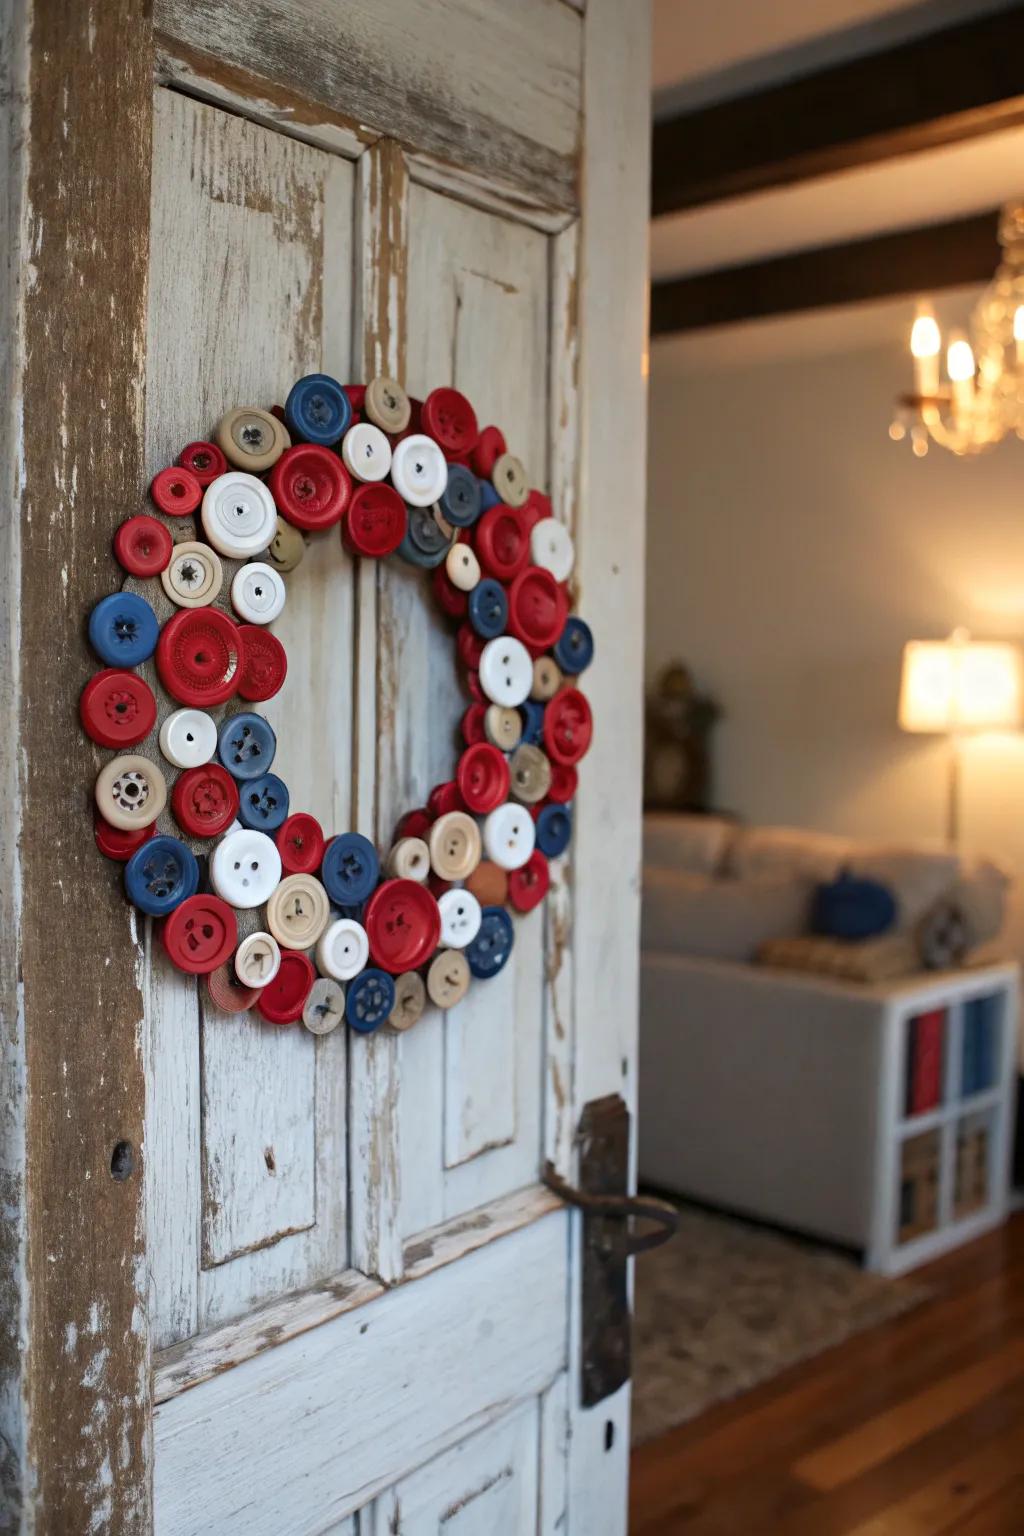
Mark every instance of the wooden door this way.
pixel 333 1294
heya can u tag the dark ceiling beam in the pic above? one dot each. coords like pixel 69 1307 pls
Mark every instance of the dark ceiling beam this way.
pixel 955 84
pixel 910 261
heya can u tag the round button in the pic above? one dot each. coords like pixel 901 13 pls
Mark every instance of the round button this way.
pixel 366 452
pixel 463 567
pixel 547 679
pixel 551 547
pixel 449 599
pixel 369 1001
pixel 509 480
pixel 532 716
pixel 501 543
pixel 563 783
pixel 473 724
pixel 489 884
pixel 252 440
pixel 239 516
pixel 460 499
pixel 376 521
pixel 530 772
pixel 117 708
pixel 311 487
pixel 444 798
pixel 205 460
pixel 409 859
pixel 568 727
pixel 387 405
pixel 264 665
pixel 283 999
pixel 483 778
pixel 160 875
pixel 246 745
pixel 116 843
pixel 537 608
pixel 451 421
pixel 257 593
pixel 536 506
pixel 460 918
pixel 343 949
pixel 123 629
pixel 257 960
pixel 227 994
pixel 425 543
pixel 300 842
pixel 554 830
pixel 490 950
pixel 575 648
pixel 200 934
pixel 143 546
pixel 469 645
pixel 298 912
pixel 490 445
pixel 528 886
pixel 287 547
pixel 503 727
pixel 506 671
pixel 488 496
pixel 263 803
pixel 350 870
pixel 176 492
pixel 317 409
pixel 454 846
pixel 410 1001
pixel 414 824
pixel 509 836
pixel 188 738
pixel 324 1008
pixel 402 924
pixel 205 800
pixel 193 575
pixel 245 868
pixel 199 656
pixel 488 608
pixel 418 470
pixel 448 978
pixel 130 792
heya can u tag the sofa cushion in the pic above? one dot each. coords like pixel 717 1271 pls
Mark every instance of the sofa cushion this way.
pixel 690 914
pixel 872 961
pixel 916 877
pixel 775 853
pixel 693 844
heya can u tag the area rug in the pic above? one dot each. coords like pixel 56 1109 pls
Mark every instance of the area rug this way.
pixel 726 1305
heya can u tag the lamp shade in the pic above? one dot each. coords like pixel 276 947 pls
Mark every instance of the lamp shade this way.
pixel 961 685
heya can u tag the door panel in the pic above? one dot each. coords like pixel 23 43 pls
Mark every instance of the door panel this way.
pixel 484 1485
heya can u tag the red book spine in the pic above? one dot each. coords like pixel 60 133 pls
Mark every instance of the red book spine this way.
pixel 927 1067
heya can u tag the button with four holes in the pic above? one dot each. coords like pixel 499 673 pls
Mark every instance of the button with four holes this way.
pixel 117 708
pixel 193 576
pixel 509 836
pixel 454 846
pixel 239 516
pixel 263 803
pixel 298 911
pixel 300 842
pixel 324 1008
pixel 265 664
pixel 205 800
pixel 257 960
pixel 403 925
pixel 418 470
pixel 369 1000
pixel 123 629
pixel 188 738
pixel 350 869
pixel 506 671
pixel 246 745
pixel 460 918
pixel 386 404
pixel 376 521
pixel 448 978
pixel 283 999
pixel 198 657
pixel 318 410
pixel 200 934
pixel 130 792
pixel 245 868
pixel 410 1001
pixel 257 592
pixel 143 545
pixel 490 951
pixel 343 949
pixel 251 439
pixel 161 874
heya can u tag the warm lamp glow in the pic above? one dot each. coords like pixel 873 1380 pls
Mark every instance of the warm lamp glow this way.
pixel 961 685
pixel 1018 323
pixel 960 361
pixel 925 338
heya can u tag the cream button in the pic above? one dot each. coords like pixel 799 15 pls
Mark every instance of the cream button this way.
pixel 530 773
pixel 410 1001
pixel 298 912
pixel 130 792
pixel 387 405
pixel 460 918
pixel 509 480
pixel 463 567
pixel 324 1008
pixel 188 738
pixel 419 472
pixel 506 671
pixel 257 593
pixel 503 727
pixel 448 978
pixel 509 836
pixel 239 516
pixel 245 868
pixel 257 959
pixel 551 546
pixel 547 679
pixel 194 576
pixel 454 846
pixel 343 950
pixel 252 439
pixel 287 547
pixel 366 452
pixel 409 859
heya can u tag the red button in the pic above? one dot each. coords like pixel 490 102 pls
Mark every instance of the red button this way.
pixel 176 491
pixel 283 999
pixel 537 608
pixel 200 657
pixel 483 778
pixel 200 934
pixel 501 542
pixel 117 708
pixel 473 724
pixel 450 420
pixel 450 599
pixel 436 886
pixel 205 460
pixel 227 992
pixel 265 663
pixel 528 886
pixel 403 924
pixel 568 726
pixel 376 521
pixel 114 843
pixel 205 800
pixel 473 688
pixel 563 783
pixel 300 842
pixel 470 646
pixel 356 395
pixel 490 445
pixel 536 506
pixel 143 546
pixel 444 798
pixel 414 824
pixel 311 486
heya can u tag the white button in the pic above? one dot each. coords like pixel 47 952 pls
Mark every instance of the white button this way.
pixel 409 859
pixel 366 452
pixel 463 567
pixel 188 738
pixel 298 912
pixel 245 868
pixel 325 1006
pixel 239 515
pixel 257 959
pixel 257 593
pixel 506 671
pixel 130 792
pixel 343 949
pixel 460 918
pixel 551 546
pixel 509 836
pixel 194 576
pixel 418 470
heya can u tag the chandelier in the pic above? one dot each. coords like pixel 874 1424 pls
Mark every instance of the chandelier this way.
pixel 981 399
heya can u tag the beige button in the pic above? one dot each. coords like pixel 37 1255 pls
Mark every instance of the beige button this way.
pixel 298 912
pixel 130 792
pixel 503 727
pixel 448 978
pixel 252 439
pixel 286 548
pixel 509 479
pixel 454 846
pixel 531 774
pixel 257 960
pixel 194 576
pixel 325 1006
pixel 410 1001
pixel 463 567
pixel 387 405
pixel 547 679
pixel 409 859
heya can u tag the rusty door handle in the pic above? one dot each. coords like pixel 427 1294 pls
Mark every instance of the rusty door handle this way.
pixel 620 1208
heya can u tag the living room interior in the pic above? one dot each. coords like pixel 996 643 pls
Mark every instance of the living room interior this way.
pixel 833 883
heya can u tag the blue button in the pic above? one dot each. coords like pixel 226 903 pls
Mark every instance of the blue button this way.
pixel 369 999
pixel 489 951
pixel 574 648
pixel 460 500
pixel 318 410
pixel 350 870
pixel 263 803
pixel 554 829
pixel 123 629
pixel 532 712
pixel 160 875
pixel 488 609
pixel 246 745
pixel 425 542
pixel 488 496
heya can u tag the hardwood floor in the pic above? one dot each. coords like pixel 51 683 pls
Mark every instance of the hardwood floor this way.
pixel 913 1429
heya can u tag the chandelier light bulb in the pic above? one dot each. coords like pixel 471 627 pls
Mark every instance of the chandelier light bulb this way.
pixel 1018 323
pixel 960 361
pixel 925 337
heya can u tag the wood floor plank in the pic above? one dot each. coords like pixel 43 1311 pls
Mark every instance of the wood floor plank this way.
pixel 964 1488
pixel 1002 1515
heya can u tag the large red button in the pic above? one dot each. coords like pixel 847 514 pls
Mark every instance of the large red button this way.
pixel 115 842
pixel 117 708
pixel 568 726
pixel 528 886
pixel 444 798
pixel 265 664
pixel 483 778
pixel 490 445
pixel 300 842
pixel 283 999
pixel 376 521
pixel 502 542
pixel 200 934
pixel 563 783
pixel 537 608
pixel 176 491
pixel 205 800
pixel 200 656
pixel 205 460
pixel 403 924
pixel 450 420
pixel 450 599
pixel 143 546
pixel 311 486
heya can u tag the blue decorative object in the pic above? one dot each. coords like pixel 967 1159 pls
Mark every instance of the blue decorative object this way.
pixel 263 803
pixel 460 500
pixel 160 875
pixel 318 410
pixel 554 830
pixel 489 951
pixel 350 869
pixel 246 745
pixel 123 629
pixel 852 908
pixel 574 648
pixel 488 608
pixel 369 999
